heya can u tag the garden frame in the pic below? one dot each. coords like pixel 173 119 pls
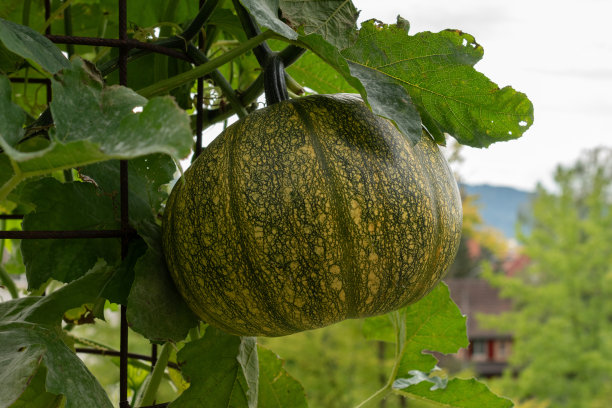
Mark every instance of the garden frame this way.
pixel 125 233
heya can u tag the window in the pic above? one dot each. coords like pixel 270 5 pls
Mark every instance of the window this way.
pixel 479 347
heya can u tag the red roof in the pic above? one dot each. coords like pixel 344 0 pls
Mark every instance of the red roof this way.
pixel 476 296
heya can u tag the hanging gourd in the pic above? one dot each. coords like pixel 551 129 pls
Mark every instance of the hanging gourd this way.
pixel 308 212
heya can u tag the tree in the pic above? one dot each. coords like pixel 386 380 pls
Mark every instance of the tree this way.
pixel 562 317
pixel 89 145
pixel 479 243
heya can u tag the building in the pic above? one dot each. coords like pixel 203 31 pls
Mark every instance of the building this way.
pixel 489 349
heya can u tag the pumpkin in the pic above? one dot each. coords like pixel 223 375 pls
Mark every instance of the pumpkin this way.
pixel 309 212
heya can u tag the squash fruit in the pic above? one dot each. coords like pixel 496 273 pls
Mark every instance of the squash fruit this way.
pixel 309 212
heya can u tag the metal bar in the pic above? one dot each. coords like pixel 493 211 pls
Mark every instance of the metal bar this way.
pixel 123 175
pixel 113 42
pixel 153 356
pixel 11 216
pixel 199 100
pixel 30 80
pixel 77 234
pixel 115 353
pixel 48 15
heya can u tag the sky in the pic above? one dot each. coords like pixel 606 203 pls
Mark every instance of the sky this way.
pixel 559 53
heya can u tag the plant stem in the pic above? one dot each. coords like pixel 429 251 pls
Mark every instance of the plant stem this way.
pixel 180 41
pixel 204 69
pixel 199 20
pixel 10 185
pixel 220 80
pixel 56 13
pixel 376 397
pixel 263 51
pixel 148 396
pixel 5 278
pixel 68 29
pixel 400 336
pixel 274 80
pixel 194 333
pixel 25 16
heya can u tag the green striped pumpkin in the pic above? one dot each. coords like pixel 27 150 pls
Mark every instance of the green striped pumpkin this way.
pixel 309 212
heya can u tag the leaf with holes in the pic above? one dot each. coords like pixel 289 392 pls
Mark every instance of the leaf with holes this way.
pixel 436 71
pixel 456 393
pixel 384 96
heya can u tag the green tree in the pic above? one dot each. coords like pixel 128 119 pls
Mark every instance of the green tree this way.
pixel 562 315
pixel 75 129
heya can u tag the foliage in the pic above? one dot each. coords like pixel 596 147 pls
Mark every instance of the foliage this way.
pixel 59 169
pixel 562 315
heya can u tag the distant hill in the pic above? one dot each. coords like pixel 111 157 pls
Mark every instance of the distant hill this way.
pixel 499 206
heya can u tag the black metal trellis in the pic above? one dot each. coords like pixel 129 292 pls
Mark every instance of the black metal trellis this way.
pixel 125 233
pixel 176 47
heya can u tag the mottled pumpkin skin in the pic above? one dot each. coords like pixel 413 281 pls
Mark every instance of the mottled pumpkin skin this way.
pixel 309 212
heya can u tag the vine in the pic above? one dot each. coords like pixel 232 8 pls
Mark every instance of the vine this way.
pixel 70 235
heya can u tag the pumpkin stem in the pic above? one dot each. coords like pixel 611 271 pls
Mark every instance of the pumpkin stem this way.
pixel 274 80
pixel 262 51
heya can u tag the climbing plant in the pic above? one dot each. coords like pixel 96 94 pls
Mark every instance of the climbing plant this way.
pixel 102 103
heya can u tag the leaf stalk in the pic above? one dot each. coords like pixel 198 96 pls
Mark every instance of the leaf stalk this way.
pixel 400 335
pixel 204 69
pixel 148 396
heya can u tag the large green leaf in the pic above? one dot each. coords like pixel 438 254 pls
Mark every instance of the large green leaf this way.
pixel 334 20
pixel 48 310
pixel 12 117
pixel 31 45
pixel 67 206
pixel 109 116
pixel 277 389
pixel 155 308
pixel 9 62
pixel 223 371
pixel 26 347
pixel 35 395
pixel 434 323
pixel 312 72
pixel 331 56
pixel 119 286
pixel 32 348
pixel 436 71
pixel 385 97
pixel 457 393
pixel 94 123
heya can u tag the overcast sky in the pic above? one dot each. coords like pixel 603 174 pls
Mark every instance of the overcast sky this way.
pixel 557 52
